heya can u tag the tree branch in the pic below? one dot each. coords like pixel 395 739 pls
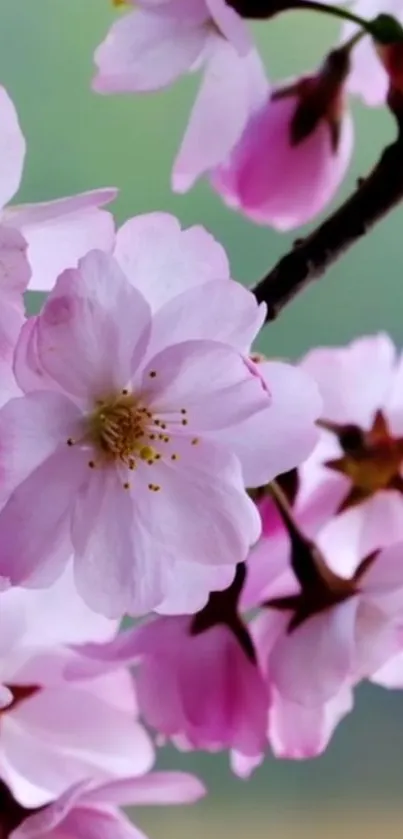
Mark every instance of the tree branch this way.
pixel 310 258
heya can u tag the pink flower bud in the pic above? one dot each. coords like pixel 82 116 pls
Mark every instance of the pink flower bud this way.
pixel 294 151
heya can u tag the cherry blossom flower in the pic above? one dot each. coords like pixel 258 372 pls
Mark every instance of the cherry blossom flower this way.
pixel 124 393
pixel 124 460
pixel 37 241
pixel 151 47
pixel 356 468
pixel 91 810
pixel 198 680
pixel 321 633
pixel 54 731
pixel 368 76
pixel 293 152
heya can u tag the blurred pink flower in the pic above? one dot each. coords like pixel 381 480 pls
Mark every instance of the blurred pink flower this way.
pixel 368 77
pixel 355 471
pixel 90 810
pixel 293 153
pixel 321 633
pixel 38 241
pixel 56 731
pixel 199 684
pixel 152 46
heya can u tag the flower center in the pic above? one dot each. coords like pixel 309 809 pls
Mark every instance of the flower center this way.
pixel 371 459
pixel 119 428
pixel 123 431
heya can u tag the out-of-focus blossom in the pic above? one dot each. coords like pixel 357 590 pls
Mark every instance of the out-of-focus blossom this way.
pixel 356 468
pixel 199 683
pixel 371 69
pixel 151 47
pixel 38 241
pixel 294 151
pixel 90 810
pixel 54 732
pixel 323 632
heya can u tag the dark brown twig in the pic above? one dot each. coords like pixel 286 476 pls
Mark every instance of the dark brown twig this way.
pixel 310 258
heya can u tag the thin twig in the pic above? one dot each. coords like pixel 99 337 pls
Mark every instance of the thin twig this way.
pixel 310 258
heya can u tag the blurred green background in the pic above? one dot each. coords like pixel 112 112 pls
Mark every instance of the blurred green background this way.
pixel 78 140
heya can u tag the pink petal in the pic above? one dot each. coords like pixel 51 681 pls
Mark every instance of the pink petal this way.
pixel 99 324
pixel 91 823
pixel 293 183
pixel 118 569
pixel 34 521
pixel 367 77
pixel 197 582
pixel 390 675
pixel 299 732
pixel 230 24
pixel 145 51
pixel 349 393
pixel 153 788
pixel 50 817
pixel 83 735
pixel 209 380
pixel 60 232
pixel 5 696
pixel 161 260
pixel 232 87
pixel 281 437
pixel 59 616
pixel 14 277
pixel 202 513
pixel 31 428
pixel 12 149
pixel 187 316
pixel 310 665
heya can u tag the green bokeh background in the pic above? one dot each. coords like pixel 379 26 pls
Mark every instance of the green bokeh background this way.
pixel 77 141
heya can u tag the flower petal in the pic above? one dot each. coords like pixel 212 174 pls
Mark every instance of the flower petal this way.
pixel 232 87
pixel 199 313
pixel 161 260
pixel 117 563
pixel 286 428
pixel 33 522
pixel 59 232
pixel 310 665
pixel 98 323
pixel 12 149
pixel 31 428
pixel 211 382
pixel 299 732
pixel 145 51
pixel 154 788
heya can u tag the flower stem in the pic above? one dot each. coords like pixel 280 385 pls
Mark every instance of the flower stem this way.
pixel 334 11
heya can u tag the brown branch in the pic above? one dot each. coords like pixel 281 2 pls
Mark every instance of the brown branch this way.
pixel 310 258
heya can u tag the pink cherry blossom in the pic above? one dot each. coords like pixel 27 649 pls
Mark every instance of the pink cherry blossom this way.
pixel 368 77
pixel 356 467
pixel 90 810
pixel 98 491
pixel 52 235
pixel 284 170
pixel 320 637
pixel 55 731
pixel 151 47
pixel 198 680
pixel 201 689
pixel 116 374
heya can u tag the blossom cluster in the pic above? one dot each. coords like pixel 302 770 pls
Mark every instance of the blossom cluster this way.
pixel 246 512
